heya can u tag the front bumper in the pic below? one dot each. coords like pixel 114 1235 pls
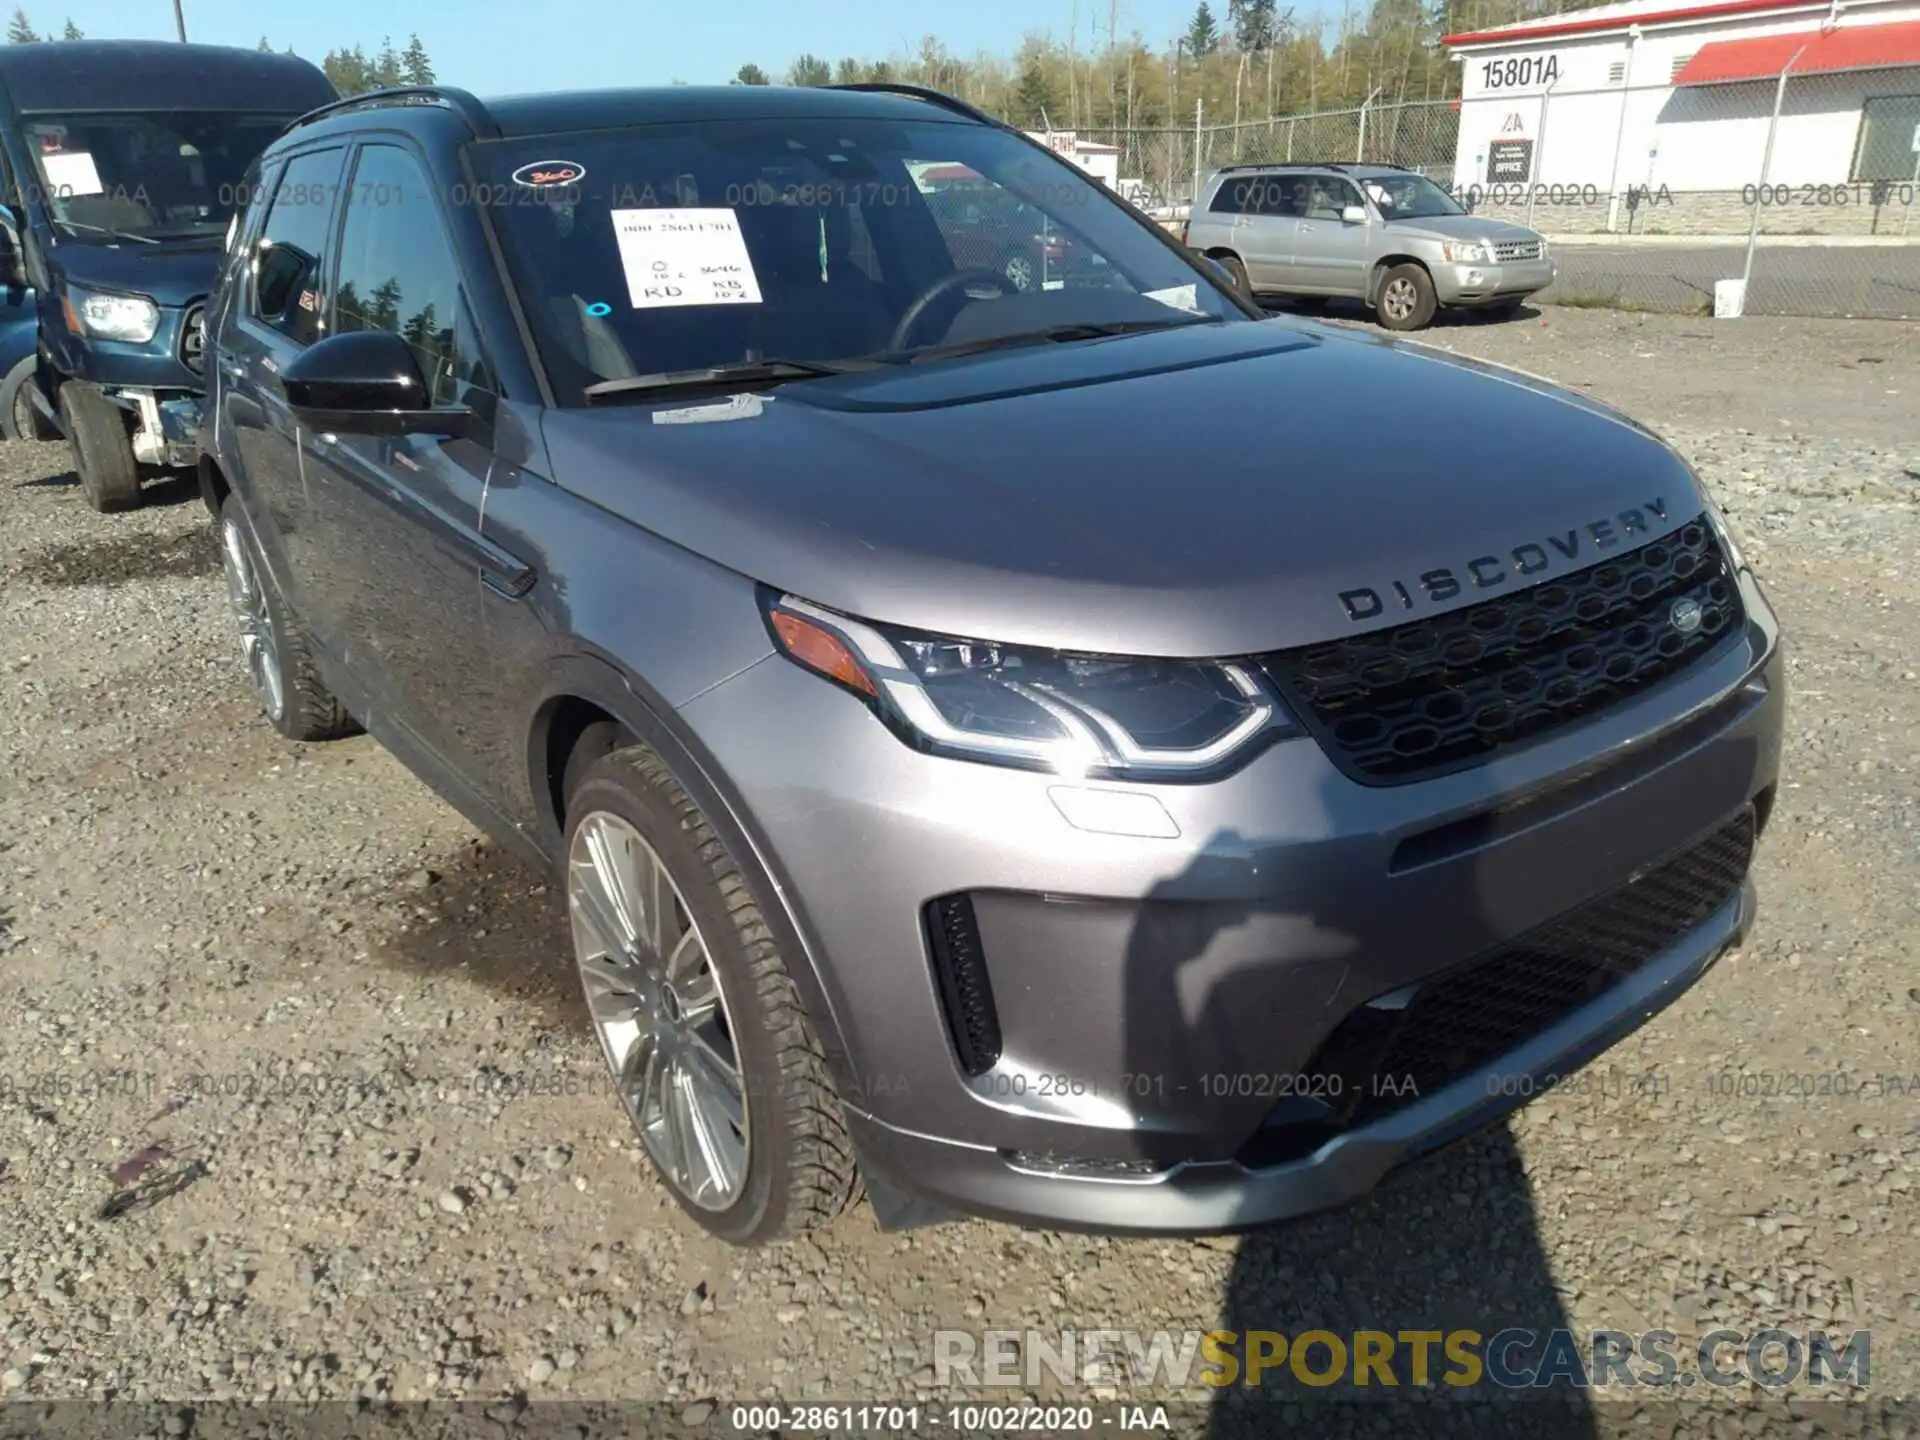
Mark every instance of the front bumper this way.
pixel 167 432
pixel 1135 981
pixel 1468 285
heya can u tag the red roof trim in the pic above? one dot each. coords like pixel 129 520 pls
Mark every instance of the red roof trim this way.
pixel 1762 57
pixel 1621 22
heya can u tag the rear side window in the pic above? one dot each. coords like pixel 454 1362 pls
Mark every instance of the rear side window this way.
pixel 289 262
pixel 1227 199
pixel 398 272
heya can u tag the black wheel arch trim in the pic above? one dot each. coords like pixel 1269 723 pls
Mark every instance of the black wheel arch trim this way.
pixel 588 676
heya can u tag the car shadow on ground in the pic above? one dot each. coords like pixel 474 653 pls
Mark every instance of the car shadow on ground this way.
pixel 1353 312
pixel 485 914
pixel 123 559
pixel 171 487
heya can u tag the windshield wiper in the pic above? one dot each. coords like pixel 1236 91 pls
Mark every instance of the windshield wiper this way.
pixel 738 374
pixel 1052 334
pixel 107 230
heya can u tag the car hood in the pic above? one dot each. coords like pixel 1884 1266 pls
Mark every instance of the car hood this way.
pixel 1211 490
pixel 1465 227
pixel 169 272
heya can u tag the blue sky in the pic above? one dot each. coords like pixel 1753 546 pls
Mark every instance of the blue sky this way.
pixel 502 46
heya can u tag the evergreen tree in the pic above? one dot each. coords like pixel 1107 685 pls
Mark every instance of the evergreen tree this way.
pixel 19 31
pixel 415 67
pixel 1035 102
pixel 72 32
pixel 386 66
pixel 810 70
pixel 1203 35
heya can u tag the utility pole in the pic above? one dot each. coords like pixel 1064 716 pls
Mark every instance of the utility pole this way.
pixel 180 20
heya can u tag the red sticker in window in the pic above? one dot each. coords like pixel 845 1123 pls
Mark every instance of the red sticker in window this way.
pixel 548 174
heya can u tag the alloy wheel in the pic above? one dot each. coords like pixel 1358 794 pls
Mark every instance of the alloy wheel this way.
pixel 658 1008
pixel 249 601
pixel 1019 272
pixel 1398 299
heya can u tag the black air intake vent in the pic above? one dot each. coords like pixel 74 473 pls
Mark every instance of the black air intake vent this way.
pixel 960 967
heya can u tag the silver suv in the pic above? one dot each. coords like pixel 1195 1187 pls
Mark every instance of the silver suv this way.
pixel 1379 234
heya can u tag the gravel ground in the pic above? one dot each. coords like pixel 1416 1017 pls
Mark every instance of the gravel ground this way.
pixel 400 1177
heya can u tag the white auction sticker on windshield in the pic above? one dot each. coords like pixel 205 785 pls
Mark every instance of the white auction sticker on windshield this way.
pixel 72 172
pixel 685 257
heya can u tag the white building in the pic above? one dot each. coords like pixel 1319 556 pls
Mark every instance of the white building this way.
pixel 1653 99
pixel 1100 161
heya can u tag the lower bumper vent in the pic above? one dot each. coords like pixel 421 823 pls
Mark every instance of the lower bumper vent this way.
pixel 1400 1048
pixel 960 968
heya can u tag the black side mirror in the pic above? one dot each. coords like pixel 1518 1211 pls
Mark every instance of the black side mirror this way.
pixel 13 255
pixel 366 382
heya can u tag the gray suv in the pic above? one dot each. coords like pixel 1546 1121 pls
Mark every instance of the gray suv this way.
pixel 1382 235
pixel 962 787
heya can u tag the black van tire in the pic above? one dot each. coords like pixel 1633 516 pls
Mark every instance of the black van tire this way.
pixel 20 419
pixel 102 450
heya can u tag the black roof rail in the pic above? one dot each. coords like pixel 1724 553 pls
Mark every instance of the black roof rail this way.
pixel 1340 165
pixel 927 93
pixel 461 102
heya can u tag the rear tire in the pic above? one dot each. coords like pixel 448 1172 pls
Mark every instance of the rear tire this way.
pixel 786 1162
pixel 285 680
pixel 1406 300
pixel 102 450
pixel 1237 270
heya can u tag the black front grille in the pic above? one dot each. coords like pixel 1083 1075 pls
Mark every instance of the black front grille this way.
pixel 193 339
pixel 1398 1048
pixel 960 969
pixel 1421 699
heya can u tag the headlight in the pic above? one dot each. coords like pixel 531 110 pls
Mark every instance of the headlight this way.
pixel 1467 253
pixel 1083 715
pixel 132 318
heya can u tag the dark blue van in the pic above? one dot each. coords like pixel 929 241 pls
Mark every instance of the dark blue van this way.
pixel 123 165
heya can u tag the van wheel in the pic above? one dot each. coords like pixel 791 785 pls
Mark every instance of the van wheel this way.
pixel 19 420
pixel 102 451
pixel 1406 300
pixel 713 1058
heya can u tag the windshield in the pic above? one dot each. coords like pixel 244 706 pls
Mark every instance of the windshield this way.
pixel 157 175
pixel 1409 197
pixel 682 247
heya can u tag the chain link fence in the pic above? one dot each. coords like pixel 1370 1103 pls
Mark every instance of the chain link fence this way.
pixel 1807 190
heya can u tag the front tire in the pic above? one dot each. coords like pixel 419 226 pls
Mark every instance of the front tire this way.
pixel 102 450
pixel 1406 299
pixel 696 1011
pixel 285 680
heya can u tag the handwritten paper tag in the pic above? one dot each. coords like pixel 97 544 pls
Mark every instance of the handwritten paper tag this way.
pixel 685 257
